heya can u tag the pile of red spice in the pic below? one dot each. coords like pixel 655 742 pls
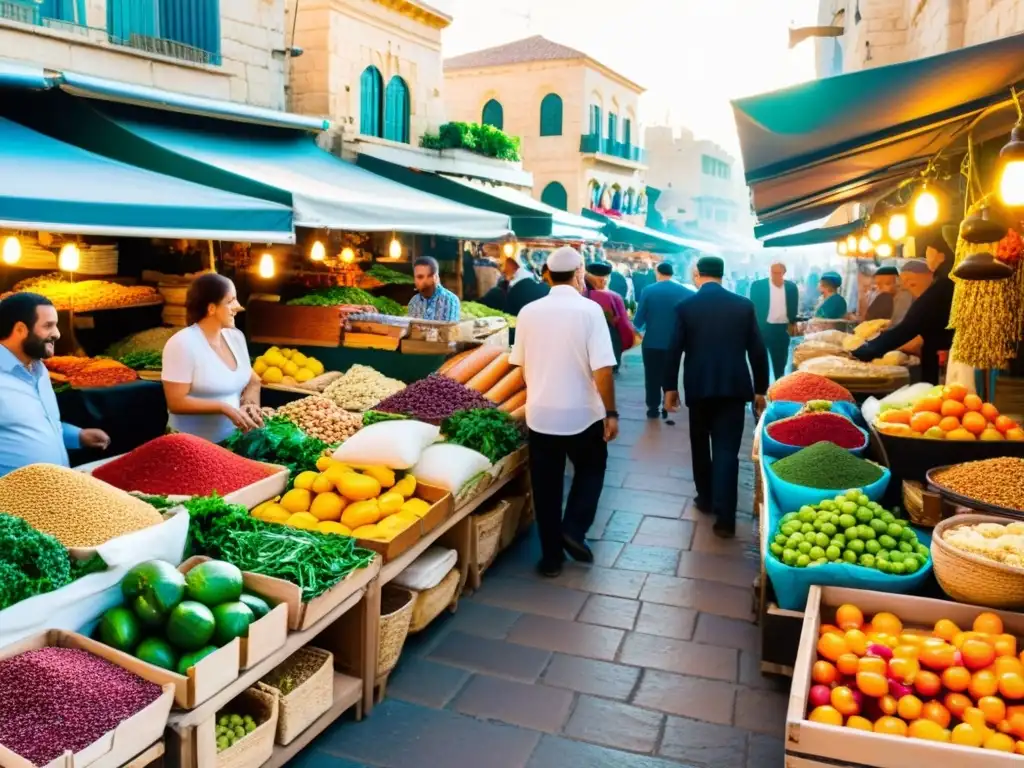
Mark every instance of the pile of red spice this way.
pixel 801 387
pixel 181 465
pixel 810 428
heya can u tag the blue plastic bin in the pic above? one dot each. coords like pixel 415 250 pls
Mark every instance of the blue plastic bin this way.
pixel 784 410
pixel 791 497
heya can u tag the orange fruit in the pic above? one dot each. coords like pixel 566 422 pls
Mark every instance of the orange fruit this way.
pixel 909 707
pixel 844 701
pixel 953 408
pixel 823 673
pixel 1016 723
pixel 946 629
pixel 1005 645
pixel 1004 424
pixel 991 434
pixel 957 704
pixel 977 654
pixel 857 641
pixel 960 434
pixel 993 707
pixel 887 624
pixel 925 420
pixel 1019 749
pixel 860 723
pixel 904 669
pixel 846 664
pixel 896 416
pixel 928 684
pixel 989 411
pixel 891 726
pixel 872 684
pixel 974 422
pixel 966 736
pixel 1005 664
pixel 949 423
pixel 930 404
pixel 937 713
pixel 928 730
pixel 874 664
pixel 887 704
pixel 983 683
pixel 1011 685
pixel 999 742
pixel 832 646
pixel 935 656
pixel 989 623
pixel 955 392
pixel 973 402
pixel 826 715
pixel 1016 434
pixel 826 629
pixel 849 617
pixel 955 678
pixel 906 651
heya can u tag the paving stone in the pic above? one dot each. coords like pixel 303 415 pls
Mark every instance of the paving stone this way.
pixel 597 528
pixel 614 724
pixel 765 751
pixel 539 707
pixel 735 571
pixel 723 600
pixel 694 697
pixel 704 744
pixel 636 557
pixel 476 618
pixel 399 734
pixel 567 637
pixel 493 656
pixel 555 752
pixel 532 596
pixel 605 552
pixel 425 682
pixel 704 539
pixel 666 621
pixel 657 504
pixel 669 590
pixel 683 473
pixel 731 633
pixel 602 581
pixel 680 656
pixel 614 479
pixel 601 678
pixel 659 484
pixel 314 758
pixel 751 677
pixel 663 532
pixel 762 712
pixel 609 611
pixel 621 526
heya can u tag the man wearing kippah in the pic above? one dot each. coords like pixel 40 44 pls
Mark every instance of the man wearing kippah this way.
pixel 717 332
pixel 621 328
pixel 888 301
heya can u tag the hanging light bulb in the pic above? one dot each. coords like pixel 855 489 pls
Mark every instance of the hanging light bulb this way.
pixel 395 249
pixel 317 252
pixel 509 249
pixel 841 248
pixel 875 232
pixel 883 250
pixel 12 250
pixel 865 246
pixel 70 258
pixel 348 255
pixel 926 207
pixel 1011 181
pixel 851 243
pixel 898 226
pixel 267 267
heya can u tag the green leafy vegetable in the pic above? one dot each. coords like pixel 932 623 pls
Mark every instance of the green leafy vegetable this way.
pixel 338 295
pixel 278 441
pixel 487 430
pixel 390 276
pixel 373 417
pixel 142 360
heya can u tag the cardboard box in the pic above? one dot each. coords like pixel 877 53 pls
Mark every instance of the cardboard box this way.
pixel 441 508
pixel 433 331
pixel 841 745
pixel 129 738
pixel 413 347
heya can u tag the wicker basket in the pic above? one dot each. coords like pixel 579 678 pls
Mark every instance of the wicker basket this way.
pixel 174 295
pixel 472 489
pixel 430 602
pixel 920 513
pixel 971 578
pixel 396 605
pixel 487 533
pixel 257 747
pixel 301 706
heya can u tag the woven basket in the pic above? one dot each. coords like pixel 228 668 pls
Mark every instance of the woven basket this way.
pixel 257 747
pixel 396 606
pixel 971 578
pixel 300 707
pixel 173 316
pixel 430 602
pixel 173 294
pixel 487 533
pixel 921 514
pixel 472 489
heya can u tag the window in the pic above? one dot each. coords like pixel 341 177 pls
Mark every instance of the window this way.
pixel 71 11
pixel 595 120
pixel 613 127
pixel 595 194
pixel 711 166
pixel 551 115
pixel 627 200
pixel 396 110
pixel 616 197
pixel 183 29
pixel 627 132
pixel 554 194
pixel 371 103
pixel 493 114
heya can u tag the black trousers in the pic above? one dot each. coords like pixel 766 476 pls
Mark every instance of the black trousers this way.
pixel 716 432
pixel 588 453
pixel 655 361
pixel 776 339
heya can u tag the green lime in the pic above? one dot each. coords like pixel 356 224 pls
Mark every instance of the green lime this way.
pixel 910 564
pixel 864 515
pixel 803 561
pixel 856 546
pixel 878 526
pixel 848 508
pixel 851 533
pixel 834 519
pixel 908 534
pixel 816 553
pixel 897 557
pixel 833 553
pixel 887 517
pixel 850 556
pixel 804 547
pixel 847 521
pixel 895 530
pixel 865 532
pixel 872 547
pixel 806 528
pixel 867 560
pixel 896 569
pixel 822 539
pixel 887 541
pixel 789 556
pixel 829 529
pixel 906 548
pixel 777 549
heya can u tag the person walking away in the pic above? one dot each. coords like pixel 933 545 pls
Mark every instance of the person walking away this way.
pixel 655 318
pixel 31 431
pixel 618 283
pixel 717 333
pixel 623 334
pixel 564 349
pixel 777 303
pixel 831 306
pixel 432 300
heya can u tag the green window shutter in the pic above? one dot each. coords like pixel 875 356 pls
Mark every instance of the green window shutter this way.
pixel 595 120
pixel 396 111
pixel 613 127
pixel 493 114
pixel 627 132
pixel 371 102
pixel 195 23
pixel 551 115
pixel 554 194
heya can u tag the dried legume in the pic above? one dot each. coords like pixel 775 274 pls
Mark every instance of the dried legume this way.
pixel 73 507
pixel 810 428
pixel 827 466
pixel 799 387
pixel 434 399
pixel 58 699
pixel 992 481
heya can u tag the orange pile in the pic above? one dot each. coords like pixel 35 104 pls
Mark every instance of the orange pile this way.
pixel 947 684
pixel 955 414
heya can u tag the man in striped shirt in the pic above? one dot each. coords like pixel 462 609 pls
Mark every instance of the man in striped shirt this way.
pixel 432 300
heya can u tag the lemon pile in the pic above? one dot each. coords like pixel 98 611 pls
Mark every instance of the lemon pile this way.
pixel 366 502
pixel 286 366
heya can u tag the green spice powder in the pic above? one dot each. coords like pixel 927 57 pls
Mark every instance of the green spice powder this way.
pixel 825 465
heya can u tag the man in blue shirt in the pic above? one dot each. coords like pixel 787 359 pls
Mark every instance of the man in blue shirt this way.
pixel 656 319
pixel 31 431
pixel 432 301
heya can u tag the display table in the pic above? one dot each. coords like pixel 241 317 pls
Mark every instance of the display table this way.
pixel 131 414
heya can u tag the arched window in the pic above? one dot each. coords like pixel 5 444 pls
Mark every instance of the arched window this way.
pixel 613 127
pixel 595 120
pixel 551 115
pixel 595 194
pixel 493 114
pixel 371 103
pixel 627 200
pixel 396 111
pixel 616 197
pixel 554 194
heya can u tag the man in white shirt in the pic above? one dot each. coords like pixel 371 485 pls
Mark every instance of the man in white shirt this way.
pixel 776 302
pixel 565 350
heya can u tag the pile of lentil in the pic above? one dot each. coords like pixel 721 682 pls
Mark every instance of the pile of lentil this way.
pixel 810 428
pixel 801 386
pixel 181 465
pixel 54 700
pixel 434 399
pixel 827 466
pixel 76 509
pixel 993 481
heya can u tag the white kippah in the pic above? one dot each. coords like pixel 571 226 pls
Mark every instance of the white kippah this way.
pixel 565 259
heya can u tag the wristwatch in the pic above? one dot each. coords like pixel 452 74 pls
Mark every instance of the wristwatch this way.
pixel 611 414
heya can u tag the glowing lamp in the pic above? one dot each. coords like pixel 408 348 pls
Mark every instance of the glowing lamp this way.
pixel 841 248
pixel 865 246
pixel 898 226
pixel 851 243
pixel 70 258
pixel 509 249
pixel 348 255
pixel 12 250
pixel 1011 181
pixel 883 250
pixel 875 232
pixel 395 249
pixel 317 252
pixel 267 267
pixel 926 208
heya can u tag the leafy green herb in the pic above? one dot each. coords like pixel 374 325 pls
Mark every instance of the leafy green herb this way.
pixel 280 442
pixel 143 360
pixel 373 417
pixel 338 295
pixel 157 502
pixel 389 276
pixel 486 430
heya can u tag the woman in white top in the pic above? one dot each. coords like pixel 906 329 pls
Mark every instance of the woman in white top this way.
pixel 208 380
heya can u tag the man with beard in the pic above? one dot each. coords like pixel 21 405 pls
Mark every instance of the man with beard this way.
pixel 31 431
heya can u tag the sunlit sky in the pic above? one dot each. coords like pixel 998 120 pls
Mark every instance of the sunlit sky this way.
pixel 693 56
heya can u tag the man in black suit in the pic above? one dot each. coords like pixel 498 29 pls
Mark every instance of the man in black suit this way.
pixel 718 333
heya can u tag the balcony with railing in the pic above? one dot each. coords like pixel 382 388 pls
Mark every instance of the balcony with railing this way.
pixel 592 144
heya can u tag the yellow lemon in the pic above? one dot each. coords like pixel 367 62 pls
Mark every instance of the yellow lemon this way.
pixel 275 359
pixel 297 500
pixel 287 353
pixel 299 359
pixel 322 484
pixel 336 472
pixel 324 463
pixel 314 365
pixel 303 374
pixel 259 366
pixel 275 513
pixel 273 375
pixel 330 526
pixel 367 532
pixel 303 520
pixel 417 507
pixel 406 486
pixel 290 368
pixel 274 350
pixel 390 503
pixel 305 480
pixel 327 506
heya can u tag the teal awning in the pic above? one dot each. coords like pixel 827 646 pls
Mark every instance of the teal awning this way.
pixel 817 236
pixel 646 239
pixel 531 219
pixel 57 187
pixel 14 74
pixel 808 149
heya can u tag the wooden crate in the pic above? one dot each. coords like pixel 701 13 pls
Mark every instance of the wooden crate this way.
pixel 270 322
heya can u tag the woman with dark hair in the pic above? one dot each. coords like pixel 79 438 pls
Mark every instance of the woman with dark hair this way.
pixel 928 316
pixel 208 381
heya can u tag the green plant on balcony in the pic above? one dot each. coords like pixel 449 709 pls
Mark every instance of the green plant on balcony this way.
pixel 484 140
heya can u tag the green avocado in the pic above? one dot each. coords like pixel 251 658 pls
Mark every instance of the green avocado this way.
pixel 257 605
pixel 191 659
pixel 214 582
pixel 232 620
pixel 158 652
pixel 190 626
pixel 120 629
pixel 160 586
